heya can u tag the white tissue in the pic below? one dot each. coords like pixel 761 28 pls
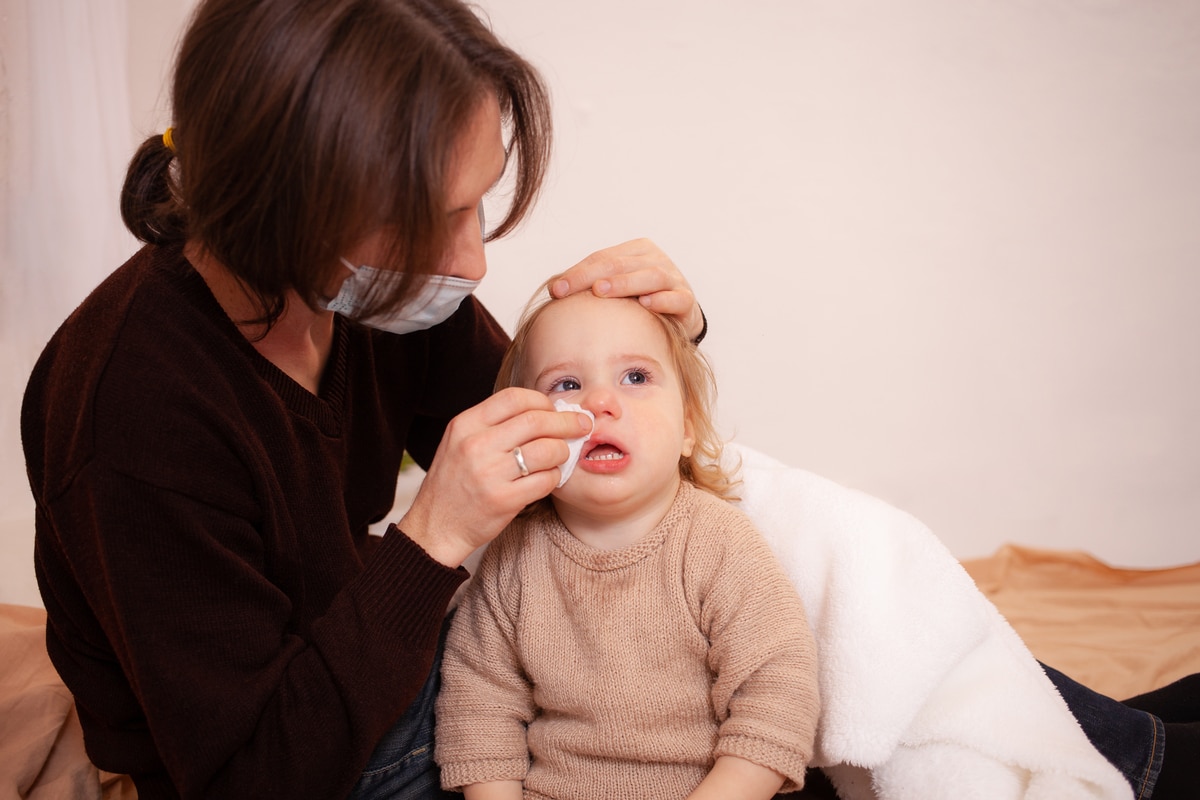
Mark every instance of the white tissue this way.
pixel 575 445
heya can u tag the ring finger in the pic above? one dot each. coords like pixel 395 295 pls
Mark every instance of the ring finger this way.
pixel 535 456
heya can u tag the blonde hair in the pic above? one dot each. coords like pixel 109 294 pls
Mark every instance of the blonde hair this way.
pixel 697 382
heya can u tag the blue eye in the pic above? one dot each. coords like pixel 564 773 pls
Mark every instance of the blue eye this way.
pixel 636 377
pixel 564 385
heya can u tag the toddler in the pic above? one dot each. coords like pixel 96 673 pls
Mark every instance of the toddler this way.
pixel 631 636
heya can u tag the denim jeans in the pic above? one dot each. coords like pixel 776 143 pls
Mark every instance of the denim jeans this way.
pixel 402 765
pixel 1132 740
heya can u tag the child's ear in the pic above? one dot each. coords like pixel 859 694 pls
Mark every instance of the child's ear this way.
pixel 689 437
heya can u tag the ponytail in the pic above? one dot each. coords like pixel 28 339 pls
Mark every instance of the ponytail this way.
pixel 150 205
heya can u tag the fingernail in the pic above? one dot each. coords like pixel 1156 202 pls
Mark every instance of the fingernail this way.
pixel 602 287
pixel 586 423
pixel 560 288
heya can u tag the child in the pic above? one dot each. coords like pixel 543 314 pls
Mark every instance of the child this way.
pixel 631 636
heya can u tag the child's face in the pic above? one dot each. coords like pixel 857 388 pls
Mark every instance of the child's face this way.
pixel 612 358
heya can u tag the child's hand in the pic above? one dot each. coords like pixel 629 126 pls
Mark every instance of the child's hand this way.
pixel 733 778
pixel 635 269
pixel 475 484
pixel 494 790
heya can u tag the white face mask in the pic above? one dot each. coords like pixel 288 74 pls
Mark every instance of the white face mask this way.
pixel 438 299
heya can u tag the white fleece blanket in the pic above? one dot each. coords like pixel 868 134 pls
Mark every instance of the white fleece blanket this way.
pixel 926 691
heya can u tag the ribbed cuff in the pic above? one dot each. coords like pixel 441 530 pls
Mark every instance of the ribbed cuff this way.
pixel 784 760
pixel 456 776
pixel 402 588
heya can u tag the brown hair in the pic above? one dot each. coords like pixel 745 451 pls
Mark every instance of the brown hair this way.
pixel 697 383
pixel 301 126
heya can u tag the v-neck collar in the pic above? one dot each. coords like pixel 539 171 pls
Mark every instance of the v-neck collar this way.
pixel 324 408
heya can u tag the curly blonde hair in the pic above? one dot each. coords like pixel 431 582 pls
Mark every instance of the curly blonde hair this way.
pixel 698 386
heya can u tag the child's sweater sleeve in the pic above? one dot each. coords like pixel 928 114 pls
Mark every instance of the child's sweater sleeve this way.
pixel 485 701
pixel 762 653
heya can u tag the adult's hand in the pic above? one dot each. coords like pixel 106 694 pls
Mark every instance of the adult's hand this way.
pixel 474 487
pixel 635 269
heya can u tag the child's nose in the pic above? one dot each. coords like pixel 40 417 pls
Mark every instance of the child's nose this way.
pixel 601 401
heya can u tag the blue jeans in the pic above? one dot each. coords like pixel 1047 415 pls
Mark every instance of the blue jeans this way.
pixel 1132 740
pixel 402 766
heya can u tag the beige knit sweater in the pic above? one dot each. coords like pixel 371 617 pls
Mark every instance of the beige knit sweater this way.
pixel 623 674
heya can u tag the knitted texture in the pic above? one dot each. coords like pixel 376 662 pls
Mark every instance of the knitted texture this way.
pixel 624 674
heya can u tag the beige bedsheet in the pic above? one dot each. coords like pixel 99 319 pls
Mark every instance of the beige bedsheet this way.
pixel 41 742
pixel 1120 631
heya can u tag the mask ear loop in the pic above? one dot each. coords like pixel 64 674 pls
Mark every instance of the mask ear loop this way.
pixel 348 265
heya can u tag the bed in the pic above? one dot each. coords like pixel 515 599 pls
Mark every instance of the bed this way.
pixel 1120 631
pixel 41 743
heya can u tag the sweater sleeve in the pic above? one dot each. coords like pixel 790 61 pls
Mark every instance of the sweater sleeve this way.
pixel 486 701
pixel 237 701
pixel 762 653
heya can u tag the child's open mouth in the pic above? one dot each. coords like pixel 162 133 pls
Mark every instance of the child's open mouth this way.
pixel 604 452
pixel 604 458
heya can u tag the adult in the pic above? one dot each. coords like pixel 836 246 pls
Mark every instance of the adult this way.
pixel 210 434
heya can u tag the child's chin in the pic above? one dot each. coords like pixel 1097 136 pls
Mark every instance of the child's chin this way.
pixel 573 498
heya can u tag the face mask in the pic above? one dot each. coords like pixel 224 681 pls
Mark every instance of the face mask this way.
pixel 437 300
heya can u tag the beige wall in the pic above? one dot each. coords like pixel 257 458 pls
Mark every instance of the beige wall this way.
pixel 950 250
pixel 948 247
pixel 154 30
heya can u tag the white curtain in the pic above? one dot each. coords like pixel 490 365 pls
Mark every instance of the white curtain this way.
pixel 65 139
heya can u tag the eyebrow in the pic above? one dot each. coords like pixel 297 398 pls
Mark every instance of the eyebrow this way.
pixel 562 366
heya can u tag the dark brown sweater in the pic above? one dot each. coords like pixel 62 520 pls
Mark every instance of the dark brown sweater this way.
pixel 214 601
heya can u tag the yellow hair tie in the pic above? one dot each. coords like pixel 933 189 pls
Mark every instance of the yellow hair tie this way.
pixel 168 140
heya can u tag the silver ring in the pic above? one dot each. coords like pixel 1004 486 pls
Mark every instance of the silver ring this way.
pixel 520 461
